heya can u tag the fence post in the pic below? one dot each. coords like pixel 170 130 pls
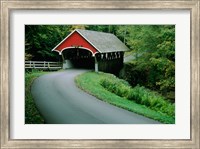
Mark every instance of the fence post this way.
pixel 48 65
pixel 33 64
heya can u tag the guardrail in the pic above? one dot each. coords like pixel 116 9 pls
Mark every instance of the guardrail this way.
pixel 42 65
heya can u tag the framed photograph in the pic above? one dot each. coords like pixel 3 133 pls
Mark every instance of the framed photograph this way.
pixel 35 33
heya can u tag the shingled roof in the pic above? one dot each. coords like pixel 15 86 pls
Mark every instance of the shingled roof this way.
pixel 103 42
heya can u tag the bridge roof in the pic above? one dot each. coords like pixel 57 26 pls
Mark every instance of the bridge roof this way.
pixel 102 42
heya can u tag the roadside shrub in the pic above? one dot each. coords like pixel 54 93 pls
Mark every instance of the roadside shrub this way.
pixel 117 86
pixel 139 94
pixel 152 99
pixel 133 74
pixel 151 76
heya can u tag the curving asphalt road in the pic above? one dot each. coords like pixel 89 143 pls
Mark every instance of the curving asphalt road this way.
pixel 61 102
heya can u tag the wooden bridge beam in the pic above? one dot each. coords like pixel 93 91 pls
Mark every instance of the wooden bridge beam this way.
pixel 96 64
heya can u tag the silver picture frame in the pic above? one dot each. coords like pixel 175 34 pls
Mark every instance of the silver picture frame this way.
pixel 194 8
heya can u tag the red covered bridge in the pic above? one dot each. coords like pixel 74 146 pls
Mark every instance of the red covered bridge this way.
pixel 92 49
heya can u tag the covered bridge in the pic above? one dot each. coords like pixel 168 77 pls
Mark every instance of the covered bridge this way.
pixel 92 49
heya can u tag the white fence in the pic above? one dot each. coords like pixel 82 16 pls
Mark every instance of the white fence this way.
pixel 42 65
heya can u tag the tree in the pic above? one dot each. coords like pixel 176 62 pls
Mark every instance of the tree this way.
pixel 73 27
pixel 154 48
pixel 41 39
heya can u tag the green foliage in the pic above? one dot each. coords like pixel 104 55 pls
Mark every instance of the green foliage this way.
pixel 134 74
pixel 73 27
pixel 154 49
pixel 139 94
pixel 104 28
pixel 118 86
pixel 32 115
pixel 91 83
pixel 41 39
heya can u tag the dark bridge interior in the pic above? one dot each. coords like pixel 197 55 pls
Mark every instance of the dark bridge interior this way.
pixel 80 58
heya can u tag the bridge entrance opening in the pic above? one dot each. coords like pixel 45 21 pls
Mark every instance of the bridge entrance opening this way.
pixel 78 58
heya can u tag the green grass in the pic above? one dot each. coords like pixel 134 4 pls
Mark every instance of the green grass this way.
pixel 91 82
pixel 32 115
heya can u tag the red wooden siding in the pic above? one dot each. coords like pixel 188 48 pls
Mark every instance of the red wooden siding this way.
pixel 74 40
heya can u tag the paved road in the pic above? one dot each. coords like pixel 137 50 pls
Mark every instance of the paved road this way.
pixel 61 102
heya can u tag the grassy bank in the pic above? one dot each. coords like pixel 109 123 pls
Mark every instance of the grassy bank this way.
pixel 32 115
pixel 93 83
pixel 139 94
